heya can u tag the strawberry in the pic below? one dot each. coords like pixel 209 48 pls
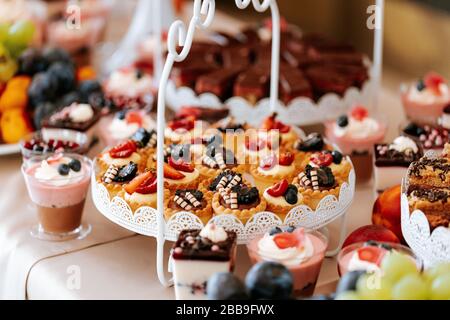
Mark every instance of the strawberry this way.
pixel 148 186
pixel 134 117
pixel 55 158
pixel 172 173
pixel 187 123
pixel 322 159
pixel 285 240
pixel 371 254
pixel 123 150
pixel 272 124
pixel 254 144
pixel 268 162
pixel 359 113
pixel 286 159
pixel 278 189
pixel 181 165
pixel 433 81
pixel 132 186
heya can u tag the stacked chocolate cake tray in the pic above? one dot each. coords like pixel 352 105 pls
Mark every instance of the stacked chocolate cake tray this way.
pixel 311 66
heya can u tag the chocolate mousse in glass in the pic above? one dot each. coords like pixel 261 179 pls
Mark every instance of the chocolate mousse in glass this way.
pixel 301 251
pixel 58 186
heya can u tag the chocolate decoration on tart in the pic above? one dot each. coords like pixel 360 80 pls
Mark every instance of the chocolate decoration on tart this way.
pixel 320 178
pixel 247 198
pixel 219 157
pixel 191 246
pixel 189 199
pixel 228 174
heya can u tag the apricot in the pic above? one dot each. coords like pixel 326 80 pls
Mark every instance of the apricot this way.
pixel 387 211
pixel 14 125
pixel 13 99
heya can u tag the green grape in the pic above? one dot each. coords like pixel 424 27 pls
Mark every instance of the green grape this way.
pixel 8 67
pixel 348 295
pixel 436 271
pixel 374 287
pixel 410 287
pixel 440 288
pixel 21 33
pixel 397 265
pixel 4 28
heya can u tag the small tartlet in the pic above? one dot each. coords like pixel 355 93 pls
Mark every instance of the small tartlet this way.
pixel 204 213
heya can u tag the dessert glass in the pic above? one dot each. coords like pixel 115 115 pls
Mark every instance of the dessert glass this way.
pixel 307 271
pixel 344 256
pixel 59 202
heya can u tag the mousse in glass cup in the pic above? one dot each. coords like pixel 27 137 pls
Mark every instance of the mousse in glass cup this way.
pixel 301 251
pixel 57 186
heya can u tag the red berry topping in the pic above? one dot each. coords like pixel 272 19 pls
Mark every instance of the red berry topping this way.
pixel 172 173
pixel 278 189
pixel 433 81
pixel 286 159
pixel 255 144
pixel 132 186
pixel 55 158
pixel 322 159
pixel 268 162
pixel 148 186
pixel 123 150
pixel 272 124
pixel 359 113
pixel 181 165
pixel 187 123
pixel 134 117
pixel 285 240
pixel 371 254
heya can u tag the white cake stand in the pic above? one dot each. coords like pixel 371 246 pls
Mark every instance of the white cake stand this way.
pixel 151 222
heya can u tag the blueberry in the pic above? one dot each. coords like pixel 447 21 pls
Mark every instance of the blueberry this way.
pixel 337 157
pixel 87 87
pixel 269 280
pixel 63 169
pixel 141 136
pixel 38 148
pixel 121 115
pixel 290 229
pixel 126 173
pixel 421 85
pixel 342 121
pixel 291 197
pixel 225 286
pixel 64 75
pixel 53 55
pixel 293 188
pixel 275 230
pixel 413 130
pixel 42 89
pixel 75 165
pixel 348 281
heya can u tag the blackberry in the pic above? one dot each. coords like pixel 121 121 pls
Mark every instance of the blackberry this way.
pixel 126 173
pixel 141 136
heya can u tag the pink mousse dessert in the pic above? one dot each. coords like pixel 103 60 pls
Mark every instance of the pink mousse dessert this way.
pixel 356 134
pixel 58 186
pixel 425 100
pixel 367 256
pixel 300 250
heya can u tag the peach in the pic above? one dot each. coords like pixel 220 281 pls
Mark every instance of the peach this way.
pixel 386 211
pixel 371 232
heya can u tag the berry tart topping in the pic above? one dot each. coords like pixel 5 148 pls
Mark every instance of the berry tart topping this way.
pixel 187 123
pixel 245 194
pixel 181 165
pixel 218 157
pixel 286 159
pixel 269 162
pixel 125 173
pixel 188 199
pixel 123 150
pixel 226 180
pixel 313 142
pixel 272 124
pixel 145 183
pixel 172 173
pixel 286 190
pixel 142 137
pixel 255 144
pixel 322 159
pixel 317 178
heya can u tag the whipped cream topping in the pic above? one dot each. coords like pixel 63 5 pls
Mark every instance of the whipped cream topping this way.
pixel 269 251
pixel 358 129
pixel 427 96
pixel 126 83
pixel 214 233
pixel 356 263
pixel 402 144
pixel 277 170
pixel 80 113
pixel 48 172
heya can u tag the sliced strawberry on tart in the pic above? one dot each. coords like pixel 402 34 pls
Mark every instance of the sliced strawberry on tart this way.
pixel 339 164
pixel 282 197
pixel 217 158
pixel 121 155
pixel 179 174
pixel 286 132
pixel 184 129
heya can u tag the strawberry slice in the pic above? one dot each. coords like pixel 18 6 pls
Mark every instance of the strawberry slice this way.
pixel 286 159
pixel 272 124
pixel 148 186
pixel 172 173
pixel 322 159
pixel 55 158
pixel 181 165
pixel 432 81
pixel 371 254
pixel 268 162
pixel 285 240
pixel 132 186
pixel 134 117
pixel 123 150
pixel 187 123
pixel 278 189
pixel 359 113
pixel 254 144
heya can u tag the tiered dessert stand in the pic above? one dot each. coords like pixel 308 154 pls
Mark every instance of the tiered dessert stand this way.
pixel 151 222
pixel 431 247
pixel 302 110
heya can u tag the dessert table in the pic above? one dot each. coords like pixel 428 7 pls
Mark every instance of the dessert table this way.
pixel 113 263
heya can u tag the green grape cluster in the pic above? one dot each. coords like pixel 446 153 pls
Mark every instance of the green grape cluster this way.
pixel 400 279
pixel 14 39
